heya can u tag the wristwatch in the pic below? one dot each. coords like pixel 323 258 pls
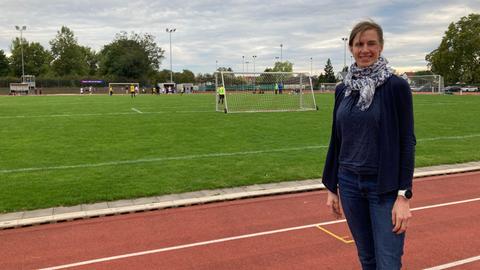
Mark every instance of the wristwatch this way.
pixel 407 193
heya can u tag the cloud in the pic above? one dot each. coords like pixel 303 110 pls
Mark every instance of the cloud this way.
pixel 210 30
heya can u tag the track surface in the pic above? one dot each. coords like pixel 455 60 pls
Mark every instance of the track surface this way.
pixel 244 235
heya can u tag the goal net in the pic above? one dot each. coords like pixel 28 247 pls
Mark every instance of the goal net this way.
pixel 426 83
pixel 264 92
pixel 123 87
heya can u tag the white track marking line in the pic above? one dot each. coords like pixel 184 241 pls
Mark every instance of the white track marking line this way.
pixel 191 245
pixel 136 110
pixel 445 204
pixel 141 253
pixel 113 163
pixel 453 264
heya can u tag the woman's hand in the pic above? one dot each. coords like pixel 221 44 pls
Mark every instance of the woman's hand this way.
pixel 334 204
pixel 400 215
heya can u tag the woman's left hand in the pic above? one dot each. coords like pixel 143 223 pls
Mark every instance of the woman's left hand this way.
pixel 401 215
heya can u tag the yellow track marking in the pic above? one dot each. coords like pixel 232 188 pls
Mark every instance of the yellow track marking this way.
pixel 336 236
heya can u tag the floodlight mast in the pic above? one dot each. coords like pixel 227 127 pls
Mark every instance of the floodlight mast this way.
pixel 344 51
pixel 169 31
pixel 21 29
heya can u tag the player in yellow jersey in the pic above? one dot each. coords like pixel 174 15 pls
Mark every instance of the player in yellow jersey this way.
pixel 132 91
pixel 221 94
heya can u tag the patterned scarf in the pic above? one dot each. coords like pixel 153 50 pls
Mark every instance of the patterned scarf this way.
pixel 366 80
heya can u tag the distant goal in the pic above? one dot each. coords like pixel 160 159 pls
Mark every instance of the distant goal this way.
pixel 264 92
pixel 123 87
pixel 426 83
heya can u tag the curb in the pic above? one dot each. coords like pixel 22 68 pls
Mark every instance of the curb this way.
pixel 18 220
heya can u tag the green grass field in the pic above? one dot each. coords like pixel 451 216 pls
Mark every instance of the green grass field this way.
pixel 68 150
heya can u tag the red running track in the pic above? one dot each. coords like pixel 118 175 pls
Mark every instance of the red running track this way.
pixel 242 235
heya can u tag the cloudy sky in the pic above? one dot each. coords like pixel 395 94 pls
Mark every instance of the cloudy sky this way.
pixel 208 31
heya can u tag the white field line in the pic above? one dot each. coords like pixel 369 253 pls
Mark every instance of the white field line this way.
pixel 215 241
pixel 136 161
pixel 449 138
pixel 113 163
pixel 454 264
pixel 136 110
pixel 95 114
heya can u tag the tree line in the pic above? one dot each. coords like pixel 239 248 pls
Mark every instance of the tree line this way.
pixel 128 57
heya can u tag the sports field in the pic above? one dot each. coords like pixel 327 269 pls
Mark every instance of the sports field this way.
pixel 68 150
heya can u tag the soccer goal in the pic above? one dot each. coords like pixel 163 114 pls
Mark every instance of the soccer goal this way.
pixel 426 83
pixel 264 92
pixel 123 87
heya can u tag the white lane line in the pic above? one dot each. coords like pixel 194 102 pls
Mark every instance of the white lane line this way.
pixel 454 264
pixel 445 204
pixel 123 256
pixel 141 253
pixel 136 161
pixel 136 110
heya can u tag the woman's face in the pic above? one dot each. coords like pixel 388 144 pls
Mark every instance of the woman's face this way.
pixel 366 48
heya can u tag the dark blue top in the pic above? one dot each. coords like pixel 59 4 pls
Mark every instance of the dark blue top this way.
pixel 396 138
pixel 358 132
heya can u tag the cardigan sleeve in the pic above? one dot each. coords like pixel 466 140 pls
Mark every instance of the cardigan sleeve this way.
pixel 407 135
pixel 330 170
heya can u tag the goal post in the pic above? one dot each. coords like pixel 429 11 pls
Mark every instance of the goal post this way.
pixel 426 83
pixel 264 92
pixel 123 87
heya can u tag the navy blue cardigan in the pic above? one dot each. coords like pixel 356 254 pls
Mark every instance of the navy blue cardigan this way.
pixel 396 139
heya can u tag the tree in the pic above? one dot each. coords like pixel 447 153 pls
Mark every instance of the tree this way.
pixel 458 56
pixel 229 69
pixel 329 74
pixel 282 67
pixel 204 78
pixel 36 58
pixel 4 65
pixel 187 76
pixel 133 57
pixel 91 58
pixel 69 57
pixel 423 72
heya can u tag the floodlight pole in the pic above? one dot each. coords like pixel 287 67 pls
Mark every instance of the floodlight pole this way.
pixel 311 64
pixel 243 63
pixel 169 31
pixel 281 52
pixel 21 29
pixel 254 57
pixel 246 62
pixel 216 65
pixel 344 51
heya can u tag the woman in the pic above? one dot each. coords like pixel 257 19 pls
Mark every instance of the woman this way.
pixel 370 160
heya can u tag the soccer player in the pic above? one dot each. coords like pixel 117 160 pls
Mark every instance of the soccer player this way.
pixel 221 94
pixel 280 88
pixel 132 91
pixel 110 91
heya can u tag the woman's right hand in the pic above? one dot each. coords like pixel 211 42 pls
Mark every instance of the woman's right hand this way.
pixel 333 203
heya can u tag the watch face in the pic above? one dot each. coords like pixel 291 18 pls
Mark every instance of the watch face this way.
pixel 408 194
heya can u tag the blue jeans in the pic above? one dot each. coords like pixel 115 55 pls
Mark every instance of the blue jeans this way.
pixel 369 217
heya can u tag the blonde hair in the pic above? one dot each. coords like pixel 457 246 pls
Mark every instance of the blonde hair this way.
pixel 364 26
